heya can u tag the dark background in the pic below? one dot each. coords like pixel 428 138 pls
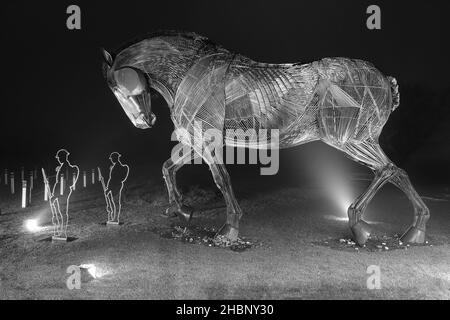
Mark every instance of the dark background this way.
pixel 54 95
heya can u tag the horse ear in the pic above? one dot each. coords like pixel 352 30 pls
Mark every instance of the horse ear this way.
pixel 107 57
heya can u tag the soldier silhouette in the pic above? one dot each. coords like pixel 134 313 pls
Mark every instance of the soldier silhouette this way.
pixel 118 174
pixel 58 200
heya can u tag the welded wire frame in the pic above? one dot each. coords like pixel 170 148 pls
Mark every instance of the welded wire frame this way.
pixel 338 99
pixel 343 102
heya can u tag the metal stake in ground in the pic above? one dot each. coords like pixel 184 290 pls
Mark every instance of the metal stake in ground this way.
pixel 24 193
pixel 12 182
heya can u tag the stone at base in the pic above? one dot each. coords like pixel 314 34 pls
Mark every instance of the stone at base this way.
pixel 113 223
pixel 413 235
pixel 229 232
pixel 59 239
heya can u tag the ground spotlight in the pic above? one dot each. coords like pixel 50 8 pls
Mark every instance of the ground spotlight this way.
pixel 90 268
pixel 32 225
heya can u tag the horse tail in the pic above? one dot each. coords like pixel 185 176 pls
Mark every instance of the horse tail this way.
pixel 394 93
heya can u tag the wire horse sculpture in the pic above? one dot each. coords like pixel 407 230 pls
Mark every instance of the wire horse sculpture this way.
pixel 342 102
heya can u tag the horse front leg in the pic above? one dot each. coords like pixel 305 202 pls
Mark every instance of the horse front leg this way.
pixel 234 213
pixel 176 206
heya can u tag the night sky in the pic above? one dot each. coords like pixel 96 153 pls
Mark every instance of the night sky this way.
pixel 54 94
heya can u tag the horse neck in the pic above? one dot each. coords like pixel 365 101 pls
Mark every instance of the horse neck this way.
pixel 166 61
pixel 167 72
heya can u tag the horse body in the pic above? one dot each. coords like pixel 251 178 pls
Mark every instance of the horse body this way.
pixel 335 99
pixel 343 102
pixel 270 96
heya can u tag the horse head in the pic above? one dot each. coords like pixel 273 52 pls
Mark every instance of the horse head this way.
pixel 132 90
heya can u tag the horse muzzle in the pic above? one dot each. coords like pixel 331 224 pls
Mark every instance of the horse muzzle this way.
pixel 144 121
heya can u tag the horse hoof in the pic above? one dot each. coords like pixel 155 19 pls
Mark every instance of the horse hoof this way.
pixel 361 232
pixel 413 235
pixel 228 231
pixel 170 212
pixel 185 213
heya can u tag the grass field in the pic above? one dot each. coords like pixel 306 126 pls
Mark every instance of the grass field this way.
pixel 297 251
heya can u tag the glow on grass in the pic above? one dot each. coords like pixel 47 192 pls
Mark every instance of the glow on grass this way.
pixel 96 270
pixel 39 222
pixel 32 225
pixel 336 218
pixel 333 173
pixel 92 269
pixel 338 189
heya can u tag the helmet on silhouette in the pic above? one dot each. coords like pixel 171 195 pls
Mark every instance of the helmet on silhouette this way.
pixel 62 154
pixel 115 156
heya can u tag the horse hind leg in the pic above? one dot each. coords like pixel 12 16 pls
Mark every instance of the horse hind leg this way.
pixel 361 230
pixel 416 232
pixel 370 154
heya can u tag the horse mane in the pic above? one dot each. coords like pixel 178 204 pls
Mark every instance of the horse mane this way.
pixel 204 41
